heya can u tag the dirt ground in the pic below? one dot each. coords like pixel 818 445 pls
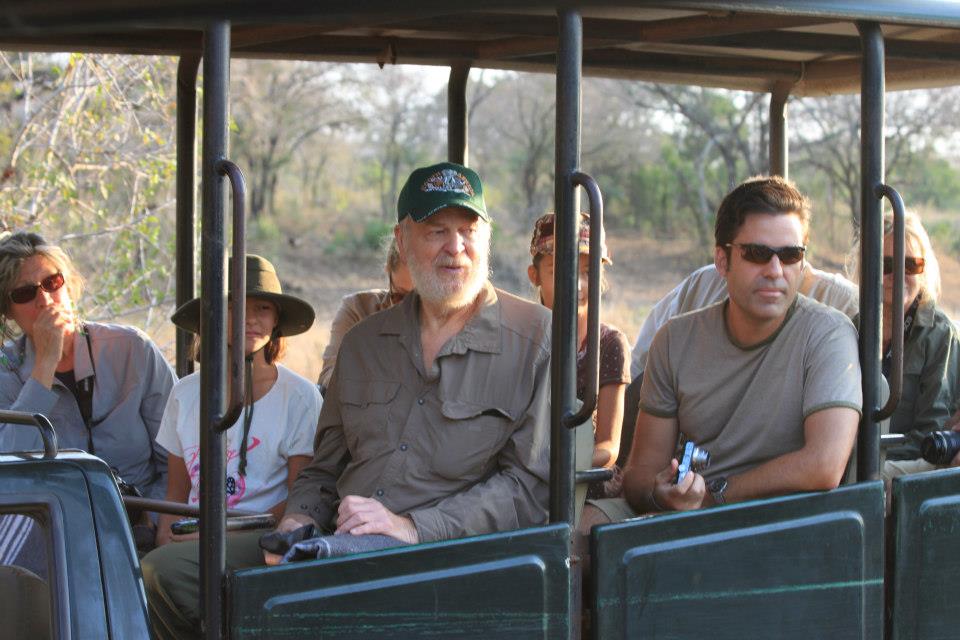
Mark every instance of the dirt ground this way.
pixel 644 270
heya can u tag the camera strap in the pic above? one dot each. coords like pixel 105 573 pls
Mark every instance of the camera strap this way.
pixel 84 394
pixel 82 391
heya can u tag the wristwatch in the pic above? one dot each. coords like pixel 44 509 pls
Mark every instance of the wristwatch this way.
pixel 717 489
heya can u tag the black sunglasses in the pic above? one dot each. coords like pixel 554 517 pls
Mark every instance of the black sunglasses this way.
pixel 911 266
pixel 26 293
pixel 761 253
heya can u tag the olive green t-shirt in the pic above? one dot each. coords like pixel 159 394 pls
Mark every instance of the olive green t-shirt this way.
pixel 746 405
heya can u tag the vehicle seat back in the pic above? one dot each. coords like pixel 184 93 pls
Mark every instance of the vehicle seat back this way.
pixel 24 604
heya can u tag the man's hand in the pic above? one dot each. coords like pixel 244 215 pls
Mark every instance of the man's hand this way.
pixel 686 496
pixel 364 516
pixel 289 523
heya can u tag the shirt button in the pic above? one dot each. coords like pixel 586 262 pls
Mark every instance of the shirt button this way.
pixel 419 400
pixel 379 492
pixel 403 447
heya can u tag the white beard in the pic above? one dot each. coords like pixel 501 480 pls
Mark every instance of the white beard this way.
pixel 450 293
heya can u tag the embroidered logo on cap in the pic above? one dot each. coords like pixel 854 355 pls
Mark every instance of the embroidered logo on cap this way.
pixel 448 180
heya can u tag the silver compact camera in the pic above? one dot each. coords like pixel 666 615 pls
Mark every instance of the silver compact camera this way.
pixel 693 458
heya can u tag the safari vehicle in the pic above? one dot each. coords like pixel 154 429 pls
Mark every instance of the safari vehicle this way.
pixel 803 566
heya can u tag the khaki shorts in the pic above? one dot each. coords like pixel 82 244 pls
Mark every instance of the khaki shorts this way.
pixel 616 509
pixel 896 468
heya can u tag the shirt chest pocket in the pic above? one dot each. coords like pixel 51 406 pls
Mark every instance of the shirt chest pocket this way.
pixel 365 409
pixel 466 437
pixel 912 380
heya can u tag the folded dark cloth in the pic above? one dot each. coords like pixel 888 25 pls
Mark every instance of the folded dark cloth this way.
pixel 279 543
pixel 337 545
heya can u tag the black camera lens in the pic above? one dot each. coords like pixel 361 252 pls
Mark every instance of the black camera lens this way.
pixel 939 447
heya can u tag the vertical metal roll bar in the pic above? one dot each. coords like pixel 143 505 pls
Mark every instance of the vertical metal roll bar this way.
pixel 213 324
pixel 574 420
pixel 779 145
pixel 186 196
pixel 896 314
pixel 238 286
pixel 458 133
pixel 871 244
pixel 563 364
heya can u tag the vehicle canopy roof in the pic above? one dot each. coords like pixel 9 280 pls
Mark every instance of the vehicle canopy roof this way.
pixel 809 47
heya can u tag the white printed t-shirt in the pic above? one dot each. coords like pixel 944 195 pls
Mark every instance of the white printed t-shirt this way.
pixel 284 423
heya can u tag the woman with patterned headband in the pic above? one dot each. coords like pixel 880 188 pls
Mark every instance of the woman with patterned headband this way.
pixel 614 364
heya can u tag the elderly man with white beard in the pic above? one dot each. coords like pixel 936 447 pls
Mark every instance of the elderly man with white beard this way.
pixel 436 421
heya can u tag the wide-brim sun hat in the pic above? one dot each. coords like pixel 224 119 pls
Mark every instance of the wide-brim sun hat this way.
pixel 296 315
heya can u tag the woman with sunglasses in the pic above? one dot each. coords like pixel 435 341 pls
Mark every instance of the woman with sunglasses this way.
pixel 103 386
pixel 272 440
pixel 931 349
pixel 614 365
pixel 357 306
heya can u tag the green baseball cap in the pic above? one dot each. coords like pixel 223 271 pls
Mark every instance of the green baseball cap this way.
pixel 447 184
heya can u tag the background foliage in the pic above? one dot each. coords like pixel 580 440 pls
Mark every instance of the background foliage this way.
pixel 87 153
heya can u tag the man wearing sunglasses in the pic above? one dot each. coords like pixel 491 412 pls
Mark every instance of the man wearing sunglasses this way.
pixel 767 381
pixel 706 286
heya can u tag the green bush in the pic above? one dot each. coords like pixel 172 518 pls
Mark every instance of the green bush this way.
pixel 367 239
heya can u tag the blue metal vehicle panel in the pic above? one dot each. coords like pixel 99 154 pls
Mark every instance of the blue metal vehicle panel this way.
pixel 802 566
pixel 926 510
pixel 510 585
pixel 95 582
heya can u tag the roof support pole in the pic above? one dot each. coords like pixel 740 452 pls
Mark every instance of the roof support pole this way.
pixel 871 244
pixel 186 196
pixel 213 329
pixel 779 144
pixel 457 118
pixel 563 364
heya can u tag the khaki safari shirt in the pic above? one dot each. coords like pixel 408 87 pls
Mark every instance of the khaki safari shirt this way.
pixel 353 308
pixel 462 449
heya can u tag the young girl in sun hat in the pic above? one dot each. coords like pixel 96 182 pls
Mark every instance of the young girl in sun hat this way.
pixel 272 440
pixel 614 365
